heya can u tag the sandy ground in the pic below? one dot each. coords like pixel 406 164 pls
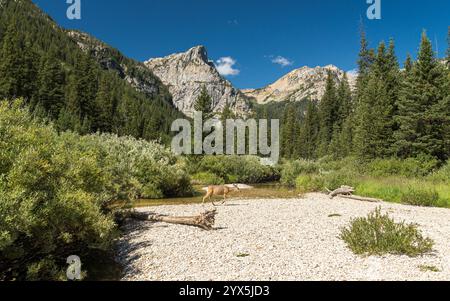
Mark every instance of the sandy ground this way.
pixel 281 239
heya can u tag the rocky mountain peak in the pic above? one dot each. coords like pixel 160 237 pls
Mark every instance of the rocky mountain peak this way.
pixel 186 73
pixel 299 84
pixel 197 53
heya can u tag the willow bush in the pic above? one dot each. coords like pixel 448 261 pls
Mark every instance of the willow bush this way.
pixel 55 191
pixel 378 234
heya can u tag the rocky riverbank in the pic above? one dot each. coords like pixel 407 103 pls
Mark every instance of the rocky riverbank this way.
pixel 281 239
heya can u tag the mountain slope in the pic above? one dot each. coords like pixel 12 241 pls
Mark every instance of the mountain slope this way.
pixel 186 73
pixel 97 89
pixel 133 72
pixel 299 84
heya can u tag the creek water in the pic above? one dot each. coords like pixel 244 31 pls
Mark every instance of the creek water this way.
pixel 259 191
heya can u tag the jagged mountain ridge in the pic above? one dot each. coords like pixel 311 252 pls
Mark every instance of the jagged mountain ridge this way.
pixel 186 73
pixel 299 84
pixel 133 72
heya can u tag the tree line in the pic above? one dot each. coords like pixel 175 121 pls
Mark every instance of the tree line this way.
pixel 392 112
pixel 61 83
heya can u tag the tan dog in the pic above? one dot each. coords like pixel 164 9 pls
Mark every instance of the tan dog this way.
pixel 219 190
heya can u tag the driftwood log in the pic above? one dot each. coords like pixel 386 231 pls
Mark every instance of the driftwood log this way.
pixel 360 198
pixel 343 190
pixel 204 221
pixel 346 192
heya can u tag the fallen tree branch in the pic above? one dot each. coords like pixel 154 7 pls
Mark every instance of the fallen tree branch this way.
pixel 344 190
pixel 360 198
pixel 204 221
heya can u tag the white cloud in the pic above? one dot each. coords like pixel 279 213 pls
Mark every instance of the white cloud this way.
pixel 225 66
pixel 233 22
pixel 282 61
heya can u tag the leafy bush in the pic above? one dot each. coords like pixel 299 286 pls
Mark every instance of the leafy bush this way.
pixel 55 191
pixel 378 234
pixel 411 168
pixel 309 183
pixel 442 175
pixel 50 199
pixel 353 164
pixel 420 197
pixel 140 168
pixel 207 178
pixel 244 169
pixel 336 179
pixel 292 169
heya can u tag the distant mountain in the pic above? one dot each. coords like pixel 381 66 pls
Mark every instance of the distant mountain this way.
pixel 77 81
pixel 133 72
pixel 186 73
pixel 299 84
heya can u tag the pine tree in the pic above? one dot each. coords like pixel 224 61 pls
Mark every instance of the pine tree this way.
pixel 9 74
pixel 365 54
pixel 289 133
pixel 328 112
pixel 344 111
pixel 345 102
pixel 345 138
pixel 82 90
pixel 445 105
pixel 448 49
pixel 375 126
pixel 420 108
pixel 408 65
pixel 106 104
pixel 392 83
pixel 308 135
pixel 51 86
pixel 227 113
pixel 204 103
pixel 17 66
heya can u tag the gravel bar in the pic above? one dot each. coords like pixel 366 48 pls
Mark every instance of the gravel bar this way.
pixel 280 239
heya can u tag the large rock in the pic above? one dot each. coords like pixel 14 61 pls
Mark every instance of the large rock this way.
pixel 299 84
pixel 186 73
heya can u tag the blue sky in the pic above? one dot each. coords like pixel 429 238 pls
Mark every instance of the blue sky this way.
pixel 259 40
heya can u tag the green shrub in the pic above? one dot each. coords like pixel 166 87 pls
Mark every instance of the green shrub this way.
pixel 411 167
pixel 378 234
pixel 420 197
pixel 442 175
pixel 309 183
pixel 349 164
pixel 51 198
pixel 55 191
pixel 244 169
pixel 292 169
pixel 140 169
pixel 207 178
pixel 336 179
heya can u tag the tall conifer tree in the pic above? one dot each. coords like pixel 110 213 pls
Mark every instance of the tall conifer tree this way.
pixel 420 108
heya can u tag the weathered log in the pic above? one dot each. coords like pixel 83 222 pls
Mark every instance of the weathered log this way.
pixel 360 198
pixel 204 221
pixel 344 190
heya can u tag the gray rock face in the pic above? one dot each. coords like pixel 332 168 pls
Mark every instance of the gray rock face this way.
pixel 186 73
pixel 299 84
